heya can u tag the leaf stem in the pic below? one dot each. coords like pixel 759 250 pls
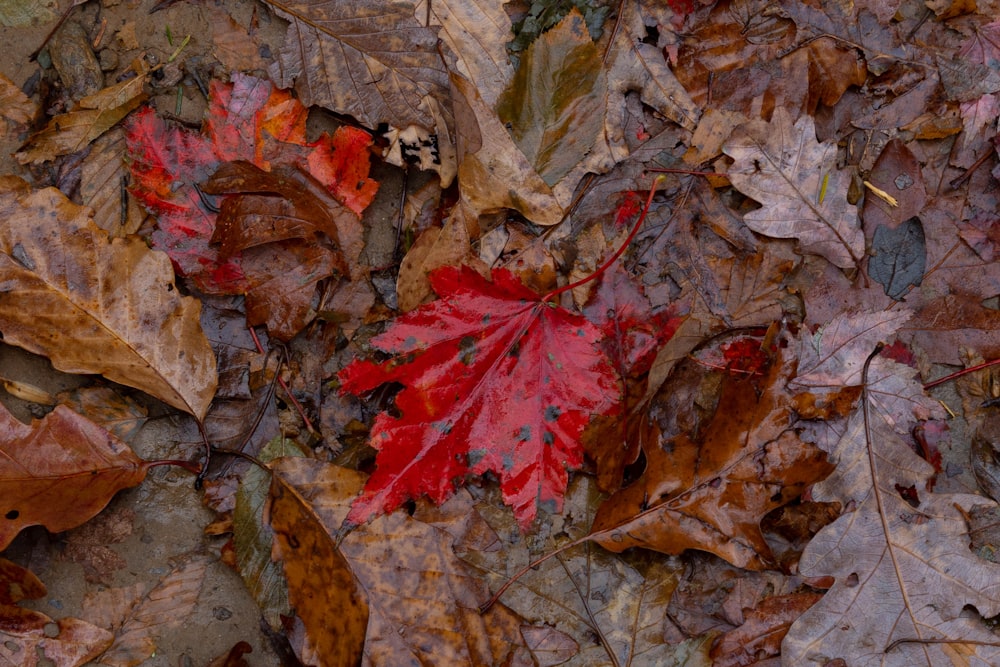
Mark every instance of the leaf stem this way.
pixel 958 374
pixel 618 253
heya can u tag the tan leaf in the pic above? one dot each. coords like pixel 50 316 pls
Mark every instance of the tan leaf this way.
pixel 423 601
pixel 110 306
pixel 907 557
pixel 103 186
pixel 477 32
pixel 93 116
pixel 493 171
pixel 15 106
pixel 802 192
pixel 371 60
pixel 436 247
pixel 59 471
pixel 137 619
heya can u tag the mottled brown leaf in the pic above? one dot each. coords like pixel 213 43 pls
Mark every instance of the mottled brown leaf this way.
pixel 110 306
pixel 92 117
pixel 423 601
pixel 370 60
pixel 710 491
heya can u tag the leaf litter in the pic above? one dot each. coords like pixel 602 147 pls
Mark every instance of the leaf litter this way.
pixel 768 480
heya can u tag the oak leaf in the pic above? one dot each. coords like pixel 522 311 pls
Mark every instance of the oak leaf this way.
pixel 421 601
pixel 710 492
pixel 496 380
pixel 60 472
pixel 110 305
pixel 899 549
pixel 611 608
pixel 796 179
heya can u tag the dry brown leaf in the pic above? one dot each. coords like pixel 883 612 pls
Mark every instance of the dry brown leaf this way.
pixel 93 116
pixel 26 641
pixel 233 44
pixel 373 60
pixel 802 192
pixel 423 601
pixel 110 306
pixel 436 247
pixel 762 630
pixel 710 491
pixel 59 471
pixel 637 66
pixel 492 170
pixel 137 618
pixel 899 549
pixel 15 106
pixel 611 607
pixel 477 32
pixel 103 186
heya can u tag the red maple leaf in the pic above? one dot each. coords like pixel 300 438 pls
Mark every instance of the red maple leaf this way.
pixel 495 380
pixel 247 119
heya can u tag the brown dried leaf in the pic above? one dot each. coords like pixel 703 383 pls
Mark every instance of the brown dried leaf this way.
pixel 493 172
pixel 102 186
pixel 910 560
pixel 110 306
pixel 436 247
pixel 611 607
pixel 423 602
pixel 371 60
pixel 796 179
pixel 136 618
pixel 711 492
pixel 26 641
pixel 15 106
pixel 92 117
pixel 477 32
pixel 59 471
pixel 762 630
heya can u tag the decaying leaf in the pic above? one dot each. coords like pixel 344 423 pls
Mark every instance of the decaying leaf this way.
pixel 97 305
pixel 899 549
pixel 481 346
pixel 611 608
pixel 92 117
pixel 370 60
pixel 14 105
pixel 710 491
pixel 103 186
pixel 137 617
pixel 246 120
pixel 60 471
pixel 802 192
pixel 420 602
pixel 552 107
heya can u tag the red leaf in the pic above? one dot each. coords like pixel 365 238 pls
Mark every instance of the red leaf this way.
pixel 495 380
pixel 247 120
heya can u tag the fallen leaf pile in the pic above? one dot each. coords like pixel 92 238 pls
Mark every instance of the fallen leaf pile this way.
pixel 509 333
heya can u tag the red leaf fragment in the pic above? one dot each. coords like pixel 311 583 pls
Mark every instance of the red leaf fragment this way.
pixel 495 380
pixel 248 120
